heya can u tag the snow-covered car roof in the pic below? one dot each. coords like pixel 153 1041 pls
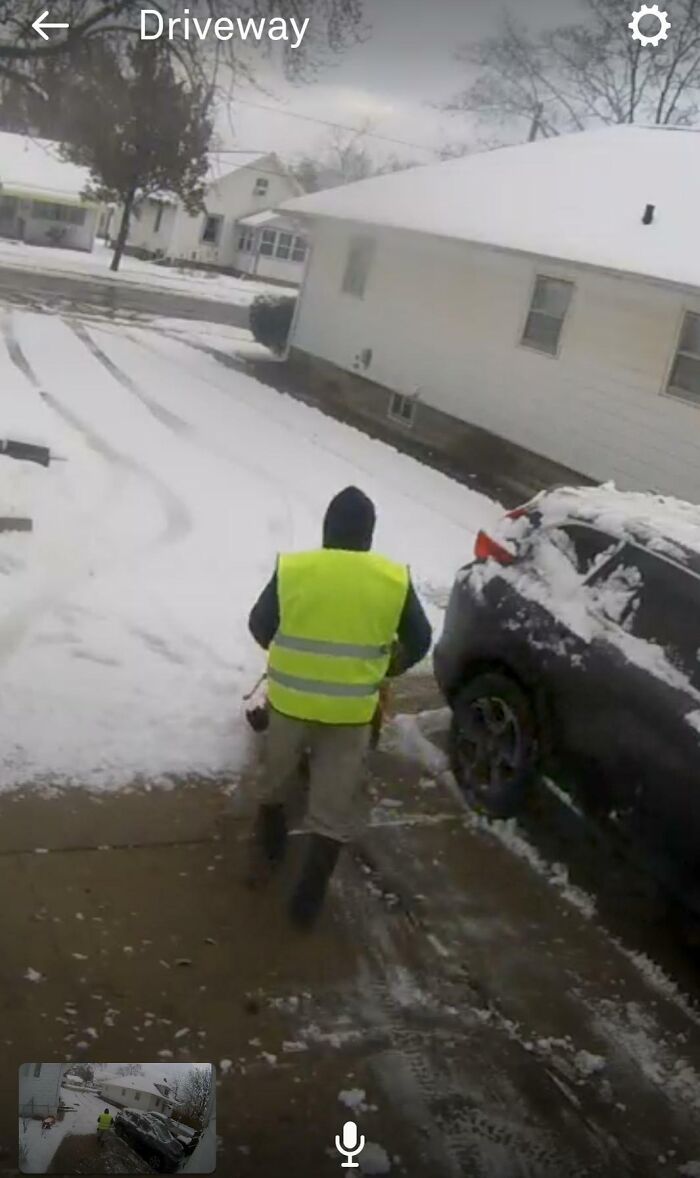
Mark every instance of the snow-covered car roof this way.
pixel 577 198
pixel 660 522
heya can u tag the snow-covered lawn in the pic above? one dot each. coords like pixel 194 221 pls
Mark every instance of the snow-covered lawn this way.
pixel 39 1147
pixel 197 283
pixel 124 649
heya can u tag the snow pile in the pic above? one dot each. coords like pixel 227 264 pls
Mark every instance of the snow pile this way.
pixel 374 1159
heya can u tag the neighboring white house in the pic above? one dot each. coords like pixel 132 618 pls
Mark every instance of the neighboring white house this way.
pixel 548 294
pixel 41 195
pixel 238 184
pixel 271 246
pixel 138 1092
pixel 39 1089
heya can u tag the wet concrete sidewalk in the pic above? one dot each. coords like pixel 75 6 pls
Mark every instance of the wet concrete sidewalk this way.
pixel 452 1002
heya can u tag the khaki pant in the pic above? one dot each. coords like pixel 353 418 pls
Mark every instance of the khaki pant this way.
pixel 336 805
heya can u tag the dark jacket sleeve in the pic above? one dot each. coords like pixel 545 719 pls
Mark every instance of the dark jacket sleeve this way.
pixel 264 619
pixel 414 635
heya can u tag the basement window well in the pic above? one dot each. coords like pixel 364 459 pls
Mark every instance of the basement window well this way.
pixel 402 409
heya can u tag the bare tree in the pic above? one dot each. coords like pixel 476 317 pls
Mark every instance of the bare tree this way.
pixel 129 1069
pixel 588 73
pixel 343 157
pixel 195 1093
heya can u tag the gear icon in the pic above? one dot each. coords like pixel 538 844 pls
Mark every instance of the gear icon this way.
pixel 664 25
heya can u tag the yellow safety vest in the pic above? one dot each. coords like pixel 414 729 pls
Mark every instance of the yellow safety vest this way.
pixel 104 1121
pixel 339 614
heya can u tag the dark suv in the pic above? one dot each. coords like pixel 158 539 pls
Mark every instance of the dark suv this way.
pixel 151 1139
pixel 572 645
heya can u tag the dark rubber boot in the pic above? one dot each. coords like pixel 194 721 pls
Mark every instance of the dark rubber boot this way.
pixel 319 864
pixel 269 844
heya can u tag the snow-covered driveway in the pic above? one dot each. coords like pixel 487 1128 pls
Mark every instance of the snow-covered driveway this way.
pixel 124 649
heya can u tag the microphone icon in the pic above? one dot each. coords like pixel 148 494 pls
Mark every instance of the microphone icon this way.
pixel 350 1143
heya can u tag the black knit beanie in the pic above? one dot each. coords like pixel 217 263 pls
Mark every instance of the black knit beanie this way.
pixel 349 521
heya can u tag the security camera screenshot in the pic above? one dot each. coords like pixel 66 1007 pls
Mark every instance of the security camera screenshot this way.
pixel 350 588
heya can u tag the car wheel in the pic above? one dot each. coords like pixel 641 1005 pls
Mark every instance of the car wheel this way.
pixel 155 1161
pixel 493 744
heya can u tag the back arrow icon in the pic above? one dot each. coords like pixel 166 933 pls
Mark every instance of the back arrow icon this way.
pixel 40 25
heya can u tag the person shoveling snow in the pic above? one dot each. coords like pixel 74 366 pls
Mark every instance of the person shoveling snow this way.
pixel 336 622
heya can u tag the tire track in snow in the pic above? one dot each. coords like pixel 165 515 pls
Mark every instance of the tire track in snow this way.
pixel 177 514
pixel 171 420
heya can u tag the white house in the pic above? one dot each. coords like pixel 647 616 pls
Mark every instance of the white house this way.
pixel 271 246
pixel 39 1089
pixel 41 195
pixel 238 184
pixel 547 294
pixel 138 1092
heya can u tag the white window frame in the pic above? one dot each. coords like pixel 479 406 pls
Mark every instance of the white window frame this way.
pixel 267 247
pixel 283 250
pixel 300 246
pixel 363 247
pixel 261 186
pixel 533 345
pixel 674 391
pixel 219 220
pixel 399 402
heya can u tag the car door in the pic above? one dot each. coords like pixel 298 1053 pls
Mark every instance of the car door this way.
pixel 642 670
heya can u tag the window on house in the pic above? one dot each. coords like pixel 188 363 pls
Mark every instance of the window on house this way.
pixel 212 229
pixel 37 1069
pixel 67 214
pixel 284 246
pixel 402 409
pixel 159 218
pixel 245 241
pixel 684 380
pixel 137 1096
pixel 550 303
pixel 261 186
pixel 8 207
pixel 267 242
pixel 299 250
pixel 357 265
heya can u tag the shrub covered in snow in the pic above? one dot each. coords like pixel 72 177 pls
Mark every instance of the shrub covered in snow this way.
pixel 271 319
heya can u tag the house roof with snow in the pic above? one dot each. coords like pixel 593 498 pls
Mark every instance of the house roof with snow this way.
pixel 578 198
pixel 33 167
pixel 139 1084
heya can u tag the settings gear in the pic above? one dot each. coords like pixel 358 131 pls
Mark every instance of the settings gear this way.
pixel 664 25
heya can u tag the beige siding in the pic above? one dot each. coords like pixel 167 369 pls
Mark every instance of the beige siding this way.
pixel 445 319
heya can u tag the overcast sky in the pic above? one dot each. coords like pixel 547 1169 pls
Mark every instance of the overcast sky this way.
pixel 396 77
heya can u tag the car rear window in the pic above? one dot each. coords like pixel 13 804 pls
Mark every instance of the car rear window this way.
pixel 660 602
pixel 585 545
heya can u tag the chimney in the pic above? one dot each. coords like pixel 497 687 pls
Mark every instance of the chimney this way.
pixel 648 214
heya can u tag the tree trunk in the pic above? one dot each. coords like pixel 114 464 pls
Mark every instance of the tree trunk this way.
pixel 123 229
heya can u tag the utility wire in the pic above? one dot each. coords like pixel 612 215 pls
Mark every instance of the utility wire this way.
pixel 295 114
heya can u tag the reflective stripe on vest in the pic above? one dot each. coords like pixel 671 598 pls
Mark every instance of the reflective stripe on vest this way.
pixel 339 613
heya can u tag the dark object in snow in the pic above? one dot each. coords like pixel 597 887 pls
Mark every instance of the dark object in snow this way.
pixel 270 320
pixel 570 650
pixel 25 452
pixel 258 718
pixel 15 523
pixel 648 214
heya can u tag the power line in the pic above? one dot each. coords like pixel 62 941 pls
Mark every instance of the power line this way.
pixel 295 114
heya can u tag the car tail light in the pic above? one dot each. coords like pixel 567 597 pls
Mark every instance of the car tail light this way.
pixel 486 548
pixel 518 512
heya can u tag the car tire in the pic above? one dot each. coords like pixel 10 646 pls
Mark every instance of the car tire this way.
pixel 493 744
pixel 155 1161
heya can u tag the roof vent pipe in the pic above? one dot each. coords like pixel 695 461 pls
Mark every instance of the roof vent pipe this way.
pixel 648 214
